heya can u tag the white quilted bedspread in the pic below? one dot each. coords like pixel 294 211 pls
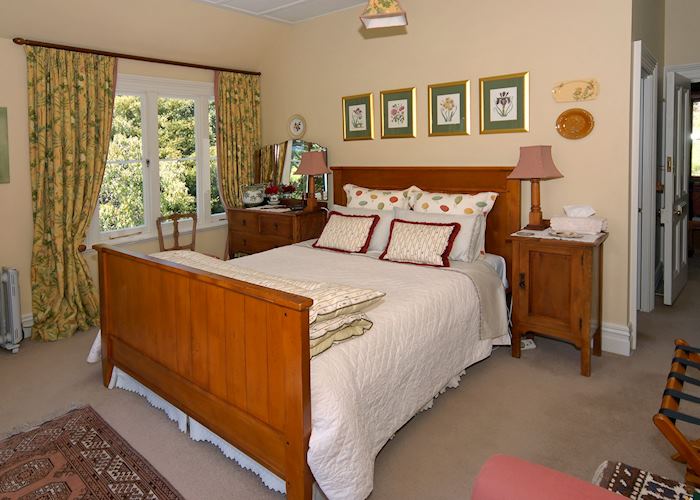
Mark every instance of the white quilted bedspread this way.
pixel 426 331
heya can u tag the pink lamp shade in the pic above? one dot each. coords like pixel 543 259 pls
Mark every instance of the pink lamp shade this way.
pixel 535 163
pixel 313 163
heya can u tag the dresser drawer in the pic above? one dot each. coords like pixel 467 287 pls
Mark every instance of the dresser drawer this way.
pixel 241 221
pixel 249 244
pixel 280 226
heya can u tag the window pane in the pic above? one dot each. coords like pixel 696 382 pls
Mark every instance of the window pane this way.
pixel 126 129
pixel 176 139
pixel 695 161
pixel 178 186
pixel 217 206
pixel 121 202
pixel 121 196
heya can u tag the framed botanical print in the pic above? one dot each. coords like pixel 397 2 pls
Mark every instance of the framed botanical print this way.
pixel 358 122
pixel 504 103
pixel 398 113
pixel 448 108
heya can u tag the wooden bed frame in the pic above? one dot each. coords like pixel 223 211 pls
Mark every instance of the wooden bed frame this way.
pixel 235 356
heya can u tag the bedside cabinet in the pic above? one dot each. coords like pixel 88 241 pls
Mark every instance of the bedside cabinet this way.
pixel 253 231
pixel 558 292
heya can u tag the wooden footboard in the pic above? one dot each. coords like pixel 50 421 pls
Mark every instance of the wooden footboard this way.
pixel 232 355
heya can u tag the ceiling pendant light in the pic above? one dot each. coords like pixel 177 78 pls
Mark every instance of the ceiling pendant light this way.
pixel 383 14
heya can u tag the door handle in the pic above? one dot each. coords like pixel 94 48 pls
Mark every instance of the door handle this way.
pixel 521 284
pixel 678 212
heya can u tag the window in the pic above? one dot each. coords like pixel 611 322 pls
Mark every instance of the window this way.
pixel 162 158
pixel 299 181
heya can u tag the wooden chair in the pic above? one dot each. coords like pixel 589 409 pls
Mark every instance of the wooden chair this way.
pixel 175 219
pixel 684 357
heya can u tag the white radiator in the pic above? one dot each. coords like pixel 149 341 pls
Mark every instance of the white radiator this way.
pixel 10 318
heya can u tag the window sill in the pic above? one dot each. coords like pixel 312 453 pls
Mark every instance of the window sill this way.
pixel 146 237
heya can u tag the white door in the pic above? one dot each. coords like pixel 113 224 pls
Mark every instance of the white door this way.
pixel 674 214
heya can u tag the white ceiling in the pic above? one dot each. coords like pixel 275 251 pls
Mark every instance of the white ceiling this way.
pixel 287 11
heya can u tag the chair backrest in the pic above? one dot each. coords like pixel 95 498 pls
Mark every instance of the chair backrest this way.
pixel 684 357
pixel 175 219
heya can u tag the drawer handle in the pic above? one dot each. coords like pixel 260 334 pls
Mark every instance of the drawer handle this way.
pixel 521 284
pixel 275 226
pixel 245 243
pixel 243 222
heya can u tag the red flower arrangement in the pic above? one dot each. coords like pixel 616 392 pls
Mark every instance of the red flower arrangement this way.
pixel 279 188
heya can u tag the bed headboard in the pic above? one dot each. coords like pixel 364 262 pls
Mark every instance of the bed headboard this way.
pixel 503 220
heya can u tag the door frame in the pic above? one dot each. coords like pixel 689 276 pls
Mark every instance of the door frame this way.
pixel 643 158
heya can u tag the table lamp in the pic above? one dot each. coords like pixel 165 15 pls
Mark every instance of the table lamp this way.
pixel 535 164
pixel 312 163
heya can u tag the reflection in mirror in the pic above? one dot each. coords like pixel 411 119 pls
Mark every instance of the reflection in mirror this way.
pixel 278 164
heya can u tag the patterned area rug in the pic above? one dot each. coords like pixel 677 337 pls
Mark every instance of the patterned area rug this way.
pixel 77 456
pixel 639 484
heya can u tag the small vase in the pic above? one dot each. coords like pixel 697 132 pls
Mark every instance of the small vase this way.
pixel 274 199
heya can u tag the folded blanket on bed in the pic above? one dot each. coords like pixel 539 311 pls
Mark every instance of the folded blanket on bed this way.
pixel 336 311
pixel 582 225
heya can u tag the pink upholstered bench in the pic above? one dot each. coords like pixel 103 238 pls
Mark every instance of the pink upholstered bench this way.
pixel 509 478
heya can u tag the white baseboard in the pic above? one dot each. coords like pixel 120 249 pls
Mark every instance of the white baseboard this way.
pixel 617 339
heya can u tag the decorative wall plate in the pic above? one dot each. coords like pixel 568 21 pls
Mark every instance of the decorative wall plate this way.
pixel 296 126
pixel 575 123
pixel 576 90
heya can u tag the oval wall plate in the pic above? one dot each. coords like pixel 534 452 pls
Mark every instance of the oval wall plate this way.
pixel 575 123
pixel 576 90
pixel 296 126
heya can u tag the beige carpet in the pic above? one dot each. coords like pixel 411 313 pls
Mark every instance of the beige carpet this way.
pixel 537 408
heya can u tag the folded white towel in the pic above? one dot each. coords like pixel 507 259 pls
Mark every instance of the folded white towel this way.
pixel 581 225
pixel 579 210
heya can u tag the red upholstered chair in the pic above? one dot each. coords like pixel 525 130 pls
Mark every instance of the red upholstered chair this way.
pixel 509 478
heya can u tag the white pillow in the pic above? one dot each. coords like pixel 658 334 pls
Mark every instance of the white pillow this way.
pixel 347 233
pixel 459 204
pixel 422 243
pixel 380 236
pixel 377 199
pixel 469 242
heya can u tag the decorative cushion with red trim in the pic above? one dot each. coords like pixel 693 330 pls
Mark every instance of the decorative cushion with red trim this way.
pixel 347 233
pixel 422 243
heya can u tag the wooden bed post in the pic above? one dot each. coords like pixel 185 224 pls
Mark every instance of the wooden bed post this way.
pixel 107 365
pixel 298 406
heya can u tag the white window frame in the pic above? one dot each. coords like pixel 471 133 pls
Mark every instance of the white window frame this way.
pixel 149 89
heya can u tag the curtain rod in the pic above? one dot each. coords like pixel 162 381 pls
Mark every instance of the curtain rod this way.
pixel 34 43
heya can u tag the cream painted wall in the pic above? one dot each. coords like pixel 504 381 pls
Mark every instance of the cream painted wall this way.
pixel 648 24
pixel 185 30
pixel 327 58
pixel 682 34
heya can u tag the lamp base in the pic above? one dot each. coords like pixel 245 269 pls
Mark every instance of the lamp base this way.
pixel 538 227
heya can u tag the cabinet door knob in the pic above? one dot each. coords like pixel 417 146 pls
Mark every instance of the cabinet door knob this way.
pixel 521 284
pixel 243 222
pixel 245 243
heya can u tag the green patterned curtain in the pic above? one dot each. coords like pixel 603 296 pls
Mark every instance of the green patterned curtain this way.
pixel 272 162
pixel 71 98
pixel 238 132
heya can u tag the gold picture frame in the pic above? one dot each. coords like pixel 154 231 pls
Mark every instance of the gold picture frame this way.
pixel 402 114
pixel 358 117
pixel 507 119
pixel 460 91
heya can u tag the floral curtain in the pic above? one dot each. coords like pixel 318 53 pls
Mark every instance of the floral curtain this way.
pixel 238 132
pixel 71 98
pixel 272 162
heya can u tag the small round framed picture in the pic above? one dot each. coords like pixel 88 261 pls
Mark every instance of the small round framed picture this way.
pixel 297 126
